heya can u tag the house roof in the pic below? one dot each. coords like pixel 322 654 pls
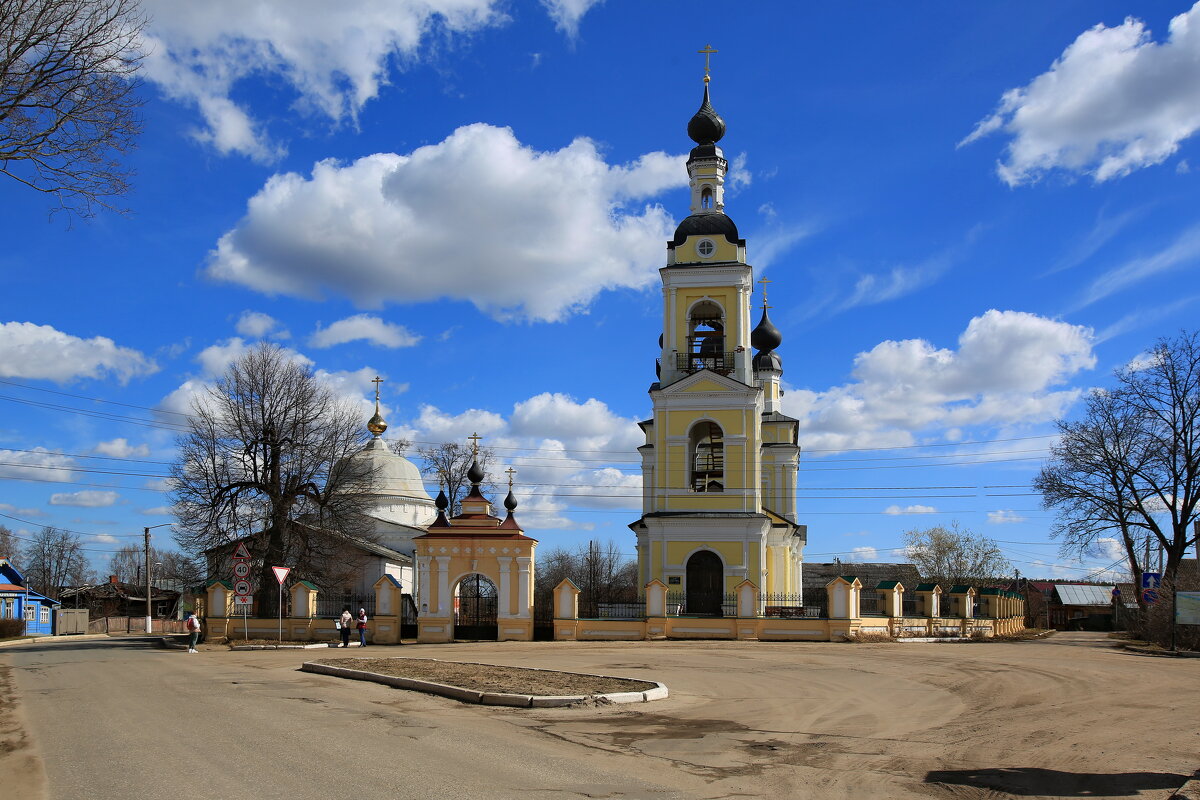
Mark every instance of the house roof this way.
pixel 926 587
pixel 887 584
pixel 1082 595
pixel 960 588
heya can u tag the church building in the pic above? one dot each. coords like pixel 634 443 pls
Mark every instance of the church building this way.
pixel 720 460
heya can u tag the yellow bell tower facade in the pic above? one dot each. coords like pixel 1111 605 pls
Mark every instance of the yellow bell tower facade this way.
pixel 720 460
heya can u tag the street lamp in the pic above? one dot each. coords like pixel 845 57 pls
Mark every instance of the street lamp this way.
pixel 149 612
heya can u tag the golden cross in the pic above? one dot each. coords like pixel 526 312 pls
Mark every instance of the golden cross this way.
pixel 708 51
pixel 510 472
pixel 764 282
pixel 378 380
pixel 474 437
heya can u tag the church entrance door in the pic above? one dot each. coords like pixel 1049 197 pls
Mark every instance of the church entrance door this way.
pixel 475 608
pixel 705 589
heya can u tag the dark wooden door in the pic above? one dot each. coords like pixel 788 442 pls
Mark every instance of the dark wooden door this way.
pixel 705 584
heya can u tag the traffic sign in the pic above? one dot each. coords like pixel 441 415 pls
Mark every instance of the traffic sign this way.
pixel 241 569
pixel 281 573
pixel 1151 580
pixel 240 551
pixel 241 587
pixel 242 599
pixel 1150 596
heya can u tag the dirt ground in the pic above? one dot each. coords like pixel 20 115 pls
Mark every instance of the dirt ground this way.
pixel 489 678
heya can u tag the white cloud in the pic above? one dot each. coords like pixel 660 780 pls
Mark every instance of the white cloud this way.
pixel 1004 516
pixel 1004 372
pixel 9 508
pixel 38 464
pixel 333 57
pixel 40 351
pixel 913 509
pixel 121 448
pixel 256 324
pixel 364 327
pixel 158 511
pixel 88 498
pixel 567 13
pixel 863 554
pixel 105 538
pixel 1107 549
pixel 390 228
pixel 738 177
pixel 1183 251
pixel 1113 102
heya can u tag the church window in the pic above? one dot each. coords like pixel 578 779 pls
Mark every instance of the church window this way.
pixel 706 341
pixel 706 197
pixel 705 248
pixel 707 457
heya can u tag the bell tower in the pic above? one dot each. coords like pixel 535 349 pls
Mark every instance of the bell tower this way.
pixel 720 460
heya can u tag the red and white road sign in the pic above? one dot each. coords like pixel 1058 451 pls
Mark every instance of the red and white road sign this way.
pixel 281 573
pixel 241 569
pixel 241 587
pixel 240 551
pixel 243 599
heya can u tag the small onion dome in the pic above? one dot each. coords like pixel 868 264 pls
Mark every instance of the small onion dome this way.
pixel 476 474
pixel 510 502
pixel 442 502
pixel 706 125
pixel 375 424
pixel 766 336
pixel 709 223
pixel 767 360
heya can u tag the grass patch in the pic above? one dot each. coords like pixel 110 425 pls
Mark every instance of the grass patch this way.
pixel 870 638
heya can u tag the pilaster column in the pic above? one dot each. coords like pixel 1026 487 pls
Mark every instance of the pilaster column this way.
pixel 443 578
pixel 421 590
pixel 504 590
pixel 523 586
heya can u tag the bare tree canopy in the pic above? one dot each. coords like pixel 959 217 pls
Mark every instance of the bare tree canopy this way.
pixel 266 455
pixel 448 464
pixel 1131 466
pixel 955 555
pixel 52 559
pixel 601 572
pixel 10 548
pixel 167 567
pixel 68 97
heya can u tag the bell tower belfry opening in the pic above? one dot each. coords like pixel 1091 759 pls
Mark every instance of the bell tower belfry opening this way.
pixel 720 461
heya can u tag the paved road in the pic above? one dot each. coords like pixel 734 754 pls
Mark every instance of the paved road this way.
pixel 1068 717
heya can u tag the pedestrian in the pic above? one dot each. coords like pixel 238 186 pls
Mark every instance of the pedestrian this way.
pixel 344 625
pixel 193 628
pixel 362 627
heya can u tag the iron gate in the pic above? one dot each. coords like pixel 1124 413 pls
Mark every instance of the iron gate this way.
pixel 475 609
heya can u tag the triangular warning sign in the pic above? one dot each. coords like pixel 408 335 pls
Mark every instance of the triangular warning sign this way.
pixel 240 551
pixel 281 573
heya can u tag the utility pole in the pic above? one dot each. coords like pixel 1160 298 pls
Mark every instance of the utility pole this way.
pixel 149 613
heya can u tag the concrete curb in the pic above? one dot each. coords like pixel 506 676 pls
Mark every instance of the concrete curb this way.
pixel 659 692
pixel 71 638
pixel 1152 651
pixel 279 646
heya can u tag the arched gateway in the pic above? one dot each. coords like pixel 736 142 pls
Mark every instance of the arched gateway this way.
pixel 473 561
pixel 705 584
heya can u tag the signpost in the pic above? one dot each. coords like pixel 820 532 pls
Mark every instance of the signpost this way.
pixel 242 593
pixel 281 574
pixel 1151 582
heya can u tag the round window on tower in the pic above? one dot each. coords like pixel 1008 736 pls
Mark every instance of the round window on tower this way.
pixel 706 247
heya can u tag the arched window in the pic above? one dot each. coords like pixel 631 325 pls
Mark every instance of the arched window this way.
pixel 706 454
pixel 706 197
pixel 706 340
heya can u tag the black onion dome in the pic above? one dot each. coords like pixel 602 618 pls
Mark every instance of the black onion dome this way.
pixel 766 336
pixel 767 359
pixel 442 502
pixel 706 125
pixel 476 474
pixel 510 502
pixel 709 223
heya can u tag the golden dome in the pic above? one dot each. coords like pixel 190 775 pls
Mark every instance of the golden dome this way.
pixel 375 424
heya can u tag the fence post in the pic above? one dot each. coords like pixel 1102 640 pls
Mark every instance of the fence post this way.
pixel 566 600
pixel 747 600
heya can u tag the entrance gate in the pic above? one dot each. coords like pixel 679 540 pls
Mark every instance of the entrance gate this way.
pixel 475 609
pixel 705 579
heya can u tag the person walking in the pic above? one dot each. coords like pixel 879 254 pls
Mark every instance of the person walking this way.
pixel 193 628
pixel 362 627
pixel 344 626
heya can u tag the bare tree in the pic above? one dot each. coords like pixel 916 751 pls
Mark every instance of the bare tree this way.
pixel 169 567
pixel 448 464
pixel 10 548
pixel 955 555
pixel 54 558
pixel 601 572
pixel 267 457
pixel 68 97
pixel 1132 465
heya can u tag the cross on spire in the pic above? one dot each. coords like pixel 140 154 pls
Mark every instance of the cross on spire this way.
pixel 510 472
pixel 708 51
pixel 764 282
pixel 377 380
pixel 474 437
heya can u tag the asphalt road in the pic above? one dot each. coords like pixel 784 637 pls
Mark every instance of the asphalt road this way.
pixel 1062 718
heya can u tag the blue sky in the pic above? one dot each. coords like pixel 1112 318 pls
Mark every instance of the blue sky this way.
pixel 969 213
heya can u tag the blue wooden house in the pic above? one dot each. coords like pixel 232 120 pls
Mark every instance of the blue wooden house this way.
pixel 18 601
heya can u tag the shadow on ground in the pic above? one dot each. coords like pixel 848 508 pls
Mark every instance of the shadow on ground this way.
pixel 144 642
pixel 1034 781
